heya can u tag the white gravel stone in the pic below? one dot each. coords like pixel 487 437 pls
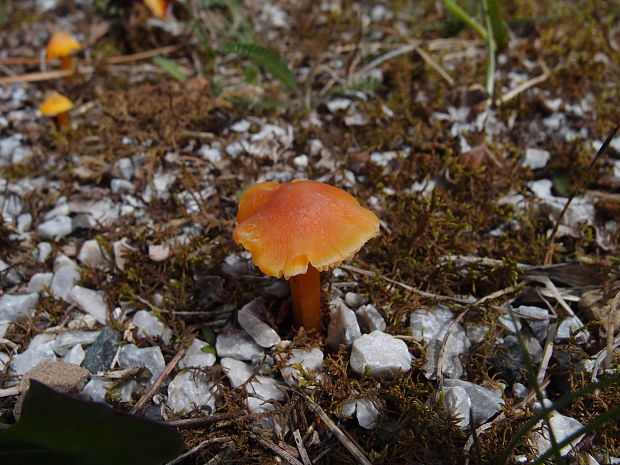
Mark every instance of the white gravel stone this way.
pixel 256 405
pixel 457 404
pixel 64 280
pixel 190 390
pixel 301 361
pixel 364 410
pixel 75 355
pixel 39 282
pixel 237 344
pixel 96 389
pixel 41 348
pixel 570 325
pixel 484 403
pixel 197 357
pixel 343 327
pixel 124 168
pixel 354 300
pixel 382 354
pixel 65 341
pixel 370 319
pixel 159 252
pixel 121 186
pixel 9 273
pixel 430 327
pixel 56 228
pixel 211 154
pixel 263 387
pixel 24 222
pixel 250 320
pixel 121 247
pixel 17 307
pixel 150 358
pixel 149 325
pixel 92 256
pixel 301 161
pixel 91 302
pixel 535 158
pixel 562 427
pixel 44 249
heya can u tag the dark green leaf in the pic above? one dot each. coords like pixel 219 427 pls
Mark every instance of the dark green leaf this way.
pixel 269 59
pixel 170 67
pixel 58 429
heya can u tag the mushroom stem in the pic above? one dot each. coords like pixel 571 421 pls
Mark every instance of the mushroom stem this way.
pixel 66 62
pixel 63 120
pixel 306 293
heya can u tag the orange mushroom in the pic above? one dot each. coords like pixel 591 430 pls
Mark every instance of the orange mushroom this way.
pixel 157 7
pixel 298 229
pixel 57 105
pixel 62 45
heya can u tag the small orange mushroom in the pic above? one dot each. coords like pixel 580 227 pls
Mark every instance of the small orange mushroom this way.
pixel 57 105
pixel 157 7
pixel 62 45
pixel 298 229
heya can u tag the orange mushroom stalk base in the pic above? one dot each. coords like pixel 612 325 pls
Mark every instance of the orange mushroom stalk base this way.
pixel 63 120
pixel 306 294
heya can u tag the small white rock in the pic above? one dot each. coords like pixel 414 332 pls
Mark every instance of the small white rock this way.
pixel 249 319
pixel 370 319
pixel 92 256
pixel 535 158
pixel 197 357
pixel 121 247
pixel 75 356
pixel 44 249
pixel 65 341
pixel 301 161
pixel 237 344
pixel 159 252
pixel 190 390
pixel 381 354
pixel 301 361
pixel 148 324
pixel 41 348
pixel 458 404
pixel 17 307
pixel 562 427
pixel 354 300
pixel 151 358
pixel 343 327
pixel 64 280
pixel 91 302
pixel 56 228
pixel 39 282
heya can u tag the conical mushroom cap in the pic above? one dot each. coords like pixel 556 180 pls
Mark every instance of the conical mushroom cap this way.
pixel 55 104
pixel 288 226
pixel 158 7
pixel 61 44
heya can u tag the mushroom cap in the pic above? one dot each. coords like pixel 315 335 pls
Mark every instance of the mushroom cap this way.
pixel 288 226
pixel 61 44
pixel 158 7
pixel 55 104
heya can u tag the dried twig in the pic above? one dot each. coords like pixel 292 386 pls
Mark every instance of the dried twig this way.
pixel 613 308
pixel 160 379
pixel 526 85
pixel 301 448
pixel 436 66
pixel 341 435
pixel 8 392
pixel 576 187
pixel 200 446
pixel 34 77
pixel 370 274
pixel 283 453
pixel 209 420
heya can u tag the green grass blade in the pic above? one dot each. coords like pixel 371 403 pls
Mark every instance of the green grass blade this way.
pixel 500 33
pixel 5 10
pixel 170 67
pixel 599 421
pixel 531 374
pixel 491 49
pixel 268 59
pixel 563 402
pixel 461 14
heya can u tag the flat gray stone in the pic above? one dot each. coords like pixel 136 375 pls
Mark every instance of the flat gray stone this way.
pixel 17 307
pixel 381 354
pixel 100 354
pixel 250 320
